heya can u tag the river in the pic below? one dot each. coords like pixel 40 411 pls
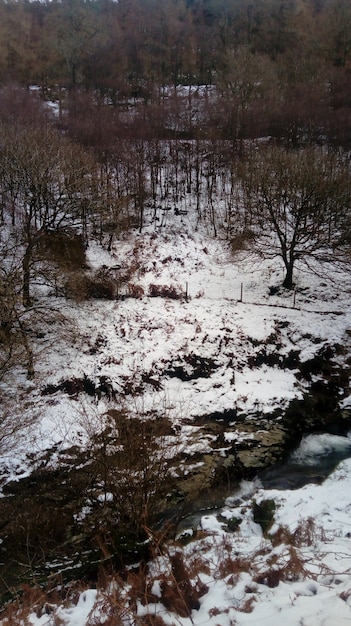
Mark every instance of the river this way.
pixel 311 462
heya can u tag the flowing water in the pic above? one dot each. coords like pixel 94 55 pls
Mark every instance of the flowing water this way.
pixel 313 460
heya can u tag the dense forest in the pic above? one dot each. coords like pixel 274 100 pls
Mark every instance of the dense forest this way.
pixel 269 67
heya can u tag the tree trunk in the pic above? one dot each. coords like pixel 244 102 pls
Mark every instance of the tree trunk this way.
pixel 26 277
pixel 288 280
pixel 29 353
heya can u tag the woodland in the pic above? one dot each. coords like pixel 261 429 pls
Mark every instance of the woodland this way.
pixel 130 119
pixel 270 67
pixel 107 108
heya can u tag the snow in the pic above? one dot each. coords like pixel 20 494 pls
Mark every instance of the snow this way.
pixel 315 592
pixel 126 339
pixel 78 614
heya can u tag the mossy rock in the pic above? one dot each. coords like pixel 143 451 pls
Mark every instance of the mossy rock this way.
pixel 233 523
pixel 263 514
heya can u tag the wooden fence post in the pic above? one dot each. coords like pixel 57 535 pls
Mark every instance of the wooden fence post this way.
pixel 241 292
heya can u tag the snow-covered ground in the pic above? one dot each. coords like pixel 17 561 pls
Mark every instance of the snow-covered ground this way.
pixel 136 343
pixel 300 573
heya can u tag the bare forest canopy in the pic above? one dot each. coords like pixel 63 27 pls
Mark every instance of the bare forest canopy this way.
pixel 265 67
pixel 114 113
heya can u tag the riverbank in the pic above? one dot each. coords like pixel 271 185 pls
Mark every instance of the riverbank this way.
pixel 226 372
pixel 266 554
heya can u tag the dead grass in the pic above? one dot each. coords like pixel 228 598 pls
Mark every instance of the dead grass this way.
pixel 248 605
pixel 38 601
pixel 174 581
pixel 172 292
pixel 180 593
pixel 232 567
pixel 307 533
pixel 286 568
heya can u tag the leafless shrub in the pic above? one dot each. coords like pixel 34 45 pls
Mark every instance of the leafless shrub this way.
pixel 165 291
pixel 179 593
pixel 14 427
pixel 306 533
pixel 100 285
pixel 64 248
pixel 289 568
pixel 135 291
pixel 240 240
pixel 76 286
pixel 129 473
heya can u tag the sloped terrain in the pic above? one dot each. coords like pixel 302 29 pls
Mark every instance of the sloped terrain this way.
pixel 222 372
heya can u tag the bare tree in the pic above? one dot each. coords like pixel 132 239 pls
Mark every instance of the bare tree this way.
pixel 20 326
pixel 50 183
pixel 130 471
pixel 12 335
pixel 246 79
pixel 297 203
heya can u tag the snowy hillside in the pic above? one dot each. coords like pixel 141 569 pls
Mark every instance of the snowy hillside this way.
pixel 207 340
pixel 185 357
